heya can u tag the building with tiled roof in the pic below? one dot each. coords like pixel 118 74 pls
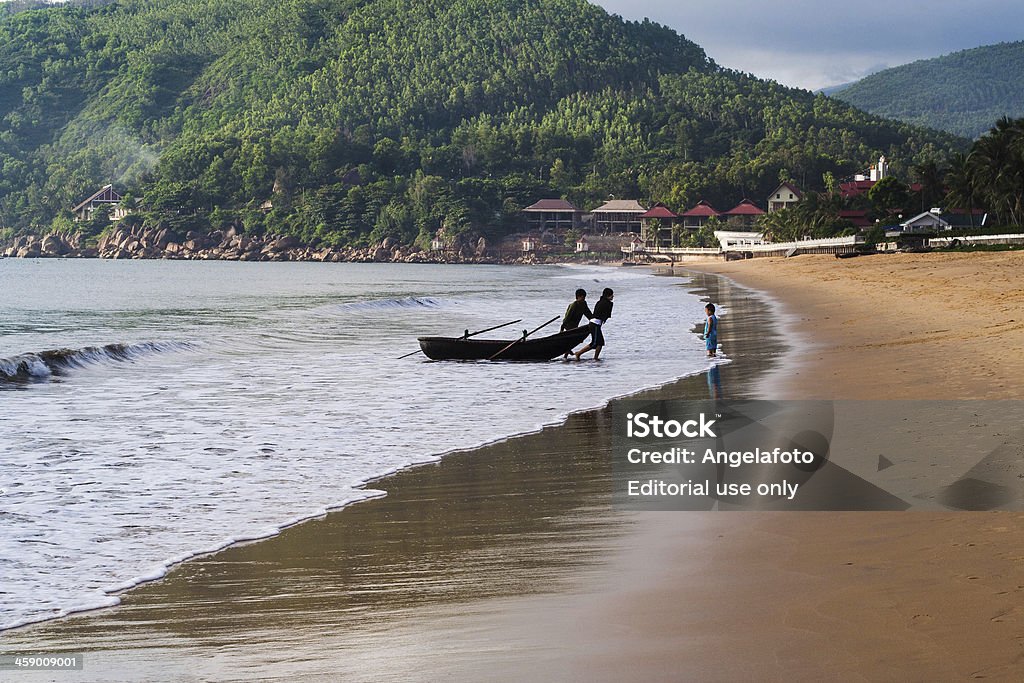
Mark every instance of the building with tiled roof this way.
pixel 785 195
pixel 105 196
pixel 665 218
pixel 699 215
pixel 744 213
pixel 619 215
pixel 552 214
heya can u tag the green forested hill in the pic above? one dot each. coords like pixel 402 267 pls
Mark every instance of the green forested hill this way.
pixel 964 93
pixel 365 119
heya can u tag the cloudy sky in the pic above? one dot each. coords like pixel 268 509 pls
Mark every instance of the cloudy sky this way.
pixel 817 43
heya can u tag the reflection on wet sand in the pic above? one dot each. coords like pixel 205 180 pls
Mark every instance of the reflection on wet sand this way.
pixel 528 516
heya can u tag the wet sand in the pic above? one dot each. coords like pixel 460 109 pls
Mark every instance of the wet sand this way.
pixel 509 562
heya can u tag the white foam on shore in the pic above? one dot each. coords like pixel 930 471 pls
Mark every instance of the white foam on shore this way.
pixel 120 472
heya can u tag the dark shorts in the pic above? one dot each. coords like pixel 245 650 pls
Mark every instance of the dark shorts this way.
pixel 596 335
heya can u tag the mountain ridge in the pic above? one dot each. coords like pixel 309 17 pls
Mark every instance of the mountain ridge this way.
pixel 360 120
pixel 963 92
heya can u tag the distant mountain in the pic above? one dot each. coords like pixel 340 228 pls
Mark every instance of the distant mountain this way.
pixel 352 121
pixel 833 89
pixel 963 93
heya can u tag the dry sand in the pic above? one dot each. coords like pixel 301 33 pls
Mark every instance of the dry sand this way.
pixel 898 326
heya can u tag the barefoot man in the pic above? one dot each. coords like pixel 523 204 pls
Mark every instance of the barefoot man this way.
pixel 602 311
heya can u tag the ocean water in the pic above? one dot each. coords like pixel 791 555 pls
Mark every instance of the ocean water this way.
pixel 151 411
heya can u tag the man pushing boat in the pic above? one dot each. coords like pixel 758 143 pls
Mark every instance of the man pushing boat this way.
pixel 602 312
pixel 576 311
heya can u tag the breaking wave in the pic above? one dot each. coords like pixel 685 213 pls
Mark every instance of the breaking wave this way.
pixel 34 367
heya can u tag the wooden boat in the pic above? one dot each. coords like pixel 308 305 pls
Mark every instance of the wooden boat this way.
pixel 542 348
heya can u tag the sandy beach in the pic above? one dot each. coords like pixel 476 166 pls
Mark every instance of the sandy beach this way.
pixel 509 563
pixel 886 596
pixel 898 326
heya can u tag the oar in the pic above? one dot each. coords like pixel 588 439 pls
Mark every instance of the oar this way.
pixel 467 335
pixel 523 338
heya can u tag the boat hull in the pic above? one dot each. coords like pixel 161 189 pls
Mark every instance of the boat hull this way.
pixel 543 348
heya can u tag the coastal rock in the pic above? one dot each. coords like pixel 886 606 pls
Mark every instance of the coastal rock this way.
pixel 163 237
pixel 163 242
pixel 286 242
pixel 54 245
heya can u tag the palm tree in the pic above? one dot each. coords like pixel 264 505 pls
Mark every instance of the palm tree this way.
pixel 960 183
pixel 997 167
pixel 931 178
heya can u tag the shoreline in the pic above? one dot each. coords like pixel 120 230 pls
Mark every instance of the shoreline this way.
pixel 367 487
pixel 105 628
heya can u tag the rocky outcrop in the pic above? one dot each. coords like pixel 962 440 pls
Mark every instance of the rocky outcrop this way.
pixel 160 242
pixel 46 246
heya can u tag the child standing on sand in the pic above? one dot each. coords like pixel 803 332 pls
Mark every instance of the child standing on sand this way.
pixel 711 331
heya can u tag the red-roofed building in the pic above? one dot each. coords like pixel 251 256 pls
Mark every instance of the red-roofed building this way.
pixel 659 211
pixel 665 220
pixel 552 214
pixel 744 214
pixel 699 215
pixel 859 217
pixel 783 196
pixel 855 188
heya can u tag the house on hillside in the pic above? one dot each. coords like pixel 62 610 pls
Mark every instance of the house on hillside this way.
pixel 857 217
pixel 552 214
pixel 619 215
pixel 862 182
pixel 783 196
pixel 105 196
pixel 855 188
pixel 743 215
pixel 697 217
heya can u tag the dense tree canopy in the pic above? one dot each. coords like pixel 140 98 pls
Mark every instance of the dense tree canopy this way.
pixel 366 119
